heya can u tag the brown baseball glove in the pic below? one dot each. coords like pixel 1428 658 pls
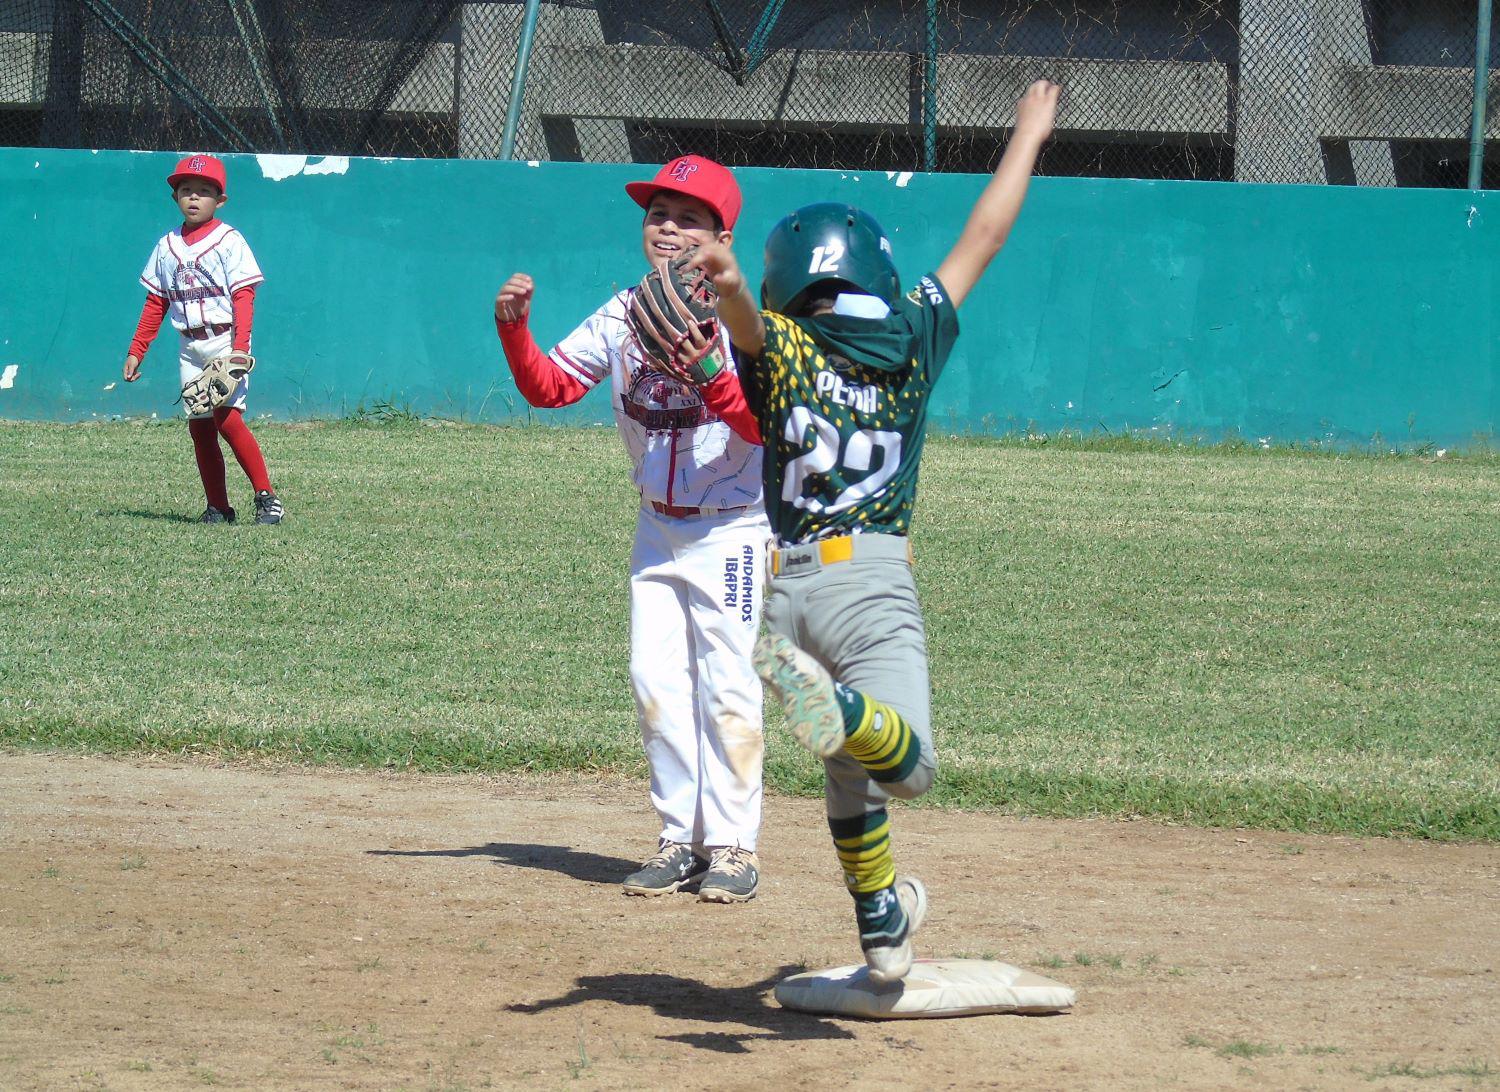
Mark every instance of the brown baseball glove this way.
pixel 671 316
pixel 216 383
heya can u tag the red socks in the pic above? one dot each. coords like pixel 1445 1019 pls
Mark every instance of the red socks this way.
pixel 230 424
pixel 210 461
pixel 233 428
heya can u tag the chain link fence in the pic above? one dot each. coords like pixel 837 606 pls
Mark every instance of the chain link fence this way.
pixel 1369 92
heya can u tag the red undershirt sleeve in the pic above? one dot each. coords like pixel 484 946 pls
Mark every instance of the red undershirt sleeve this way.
pixel 726 397
pixel 541 382
pixel 152 312
pixel 243 303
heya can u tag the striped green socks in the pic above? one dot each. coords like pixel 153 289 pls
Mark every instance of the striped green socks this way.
pixel 876 736
pixel 864 848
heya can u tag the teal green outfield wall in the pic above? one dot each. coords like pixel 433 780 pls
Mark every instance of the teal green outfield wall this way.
pixel 1292 313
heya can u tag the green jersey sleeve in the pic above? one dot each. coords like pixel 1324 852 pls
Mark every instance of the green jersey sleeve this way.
pixel 935 324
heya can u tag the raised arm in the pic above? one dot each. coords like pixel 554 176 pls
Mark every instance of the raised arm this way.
pixel 538 379
pixel 737 308
pixel 994 214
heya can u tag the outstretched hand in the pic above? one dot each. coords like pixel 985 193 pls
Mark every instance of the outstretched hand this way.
pixel 132 368
pixel 719 262
pixel 513 303
pixel 1037 110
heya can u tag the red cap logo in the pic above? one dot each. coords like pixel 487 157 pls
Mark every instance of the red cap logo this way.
pixel 695 176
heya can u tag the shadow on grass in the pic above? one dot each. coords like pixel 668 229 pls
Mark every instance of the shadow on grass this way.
pixel 587 867
pixel 676 998
pixel 136 513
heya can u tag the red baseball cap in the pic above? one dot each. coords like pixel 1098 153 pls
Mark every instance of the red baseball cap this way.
pixel 698 177
pixel 205 167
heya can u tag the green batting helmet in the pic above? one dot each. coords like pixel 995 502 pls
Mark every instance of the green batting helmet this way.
pixel 827 242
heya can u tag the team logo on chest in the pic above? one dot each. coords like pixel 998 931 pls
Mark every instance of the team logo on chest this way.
pixel 659 402
pixel 190 281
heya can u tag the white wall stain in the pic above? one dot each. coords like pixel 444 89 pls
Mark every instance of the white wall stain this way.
pixel 109 386
pixel 1473 212
pixel 329 164
pixel 901 178
pixel 8 376
pixel 278 168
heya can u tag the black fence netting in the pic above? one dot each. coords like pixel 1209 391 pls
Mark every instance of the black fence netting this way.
pixel 1369 92
pixel 331 76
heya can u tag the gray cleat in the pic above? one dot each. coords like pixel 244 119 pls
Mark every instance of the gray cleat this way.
pixel 268 507
pixel 674 865
pixel 733 876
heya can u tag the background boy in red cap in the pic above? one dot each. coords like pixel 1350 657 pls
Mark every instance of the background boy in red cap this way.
pixel 694 571
pixel 203 276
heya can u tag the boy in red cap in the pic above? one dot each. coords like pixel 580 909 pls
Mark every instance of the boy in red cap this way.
pixel 694 571
pixel 203 276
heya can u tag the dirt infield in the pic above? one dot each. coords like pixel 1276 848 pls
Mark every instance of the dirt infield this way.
pixel 168 925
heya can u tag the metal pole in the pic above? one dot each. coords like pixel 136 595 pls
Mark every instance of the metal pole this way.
pixel 1481 90
pixel 929 91
pixel 518 79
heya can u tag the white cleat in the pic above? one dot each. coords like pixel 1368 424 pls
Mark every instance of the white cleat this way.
pixel 891 963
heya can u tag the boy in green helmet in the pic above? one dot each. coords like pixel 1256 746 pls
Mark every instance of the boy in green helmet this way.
pixel 838 369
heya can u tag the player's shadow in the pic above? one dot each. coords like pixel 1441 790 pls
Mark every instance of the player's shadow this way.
pixel 138 513
pixel 677 998
pixel 583 866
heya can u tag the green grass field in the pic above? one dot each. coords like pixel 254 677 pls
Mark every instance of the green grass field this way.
pixel 1220 636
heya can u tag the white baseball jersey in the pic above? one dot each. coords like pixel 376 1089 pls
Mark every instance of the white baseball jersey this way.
pixel 199 280
pixel 683 453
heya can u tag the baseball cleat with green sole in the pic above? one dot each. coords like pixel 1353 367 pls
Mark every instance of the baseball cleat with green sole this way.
pixel 806 693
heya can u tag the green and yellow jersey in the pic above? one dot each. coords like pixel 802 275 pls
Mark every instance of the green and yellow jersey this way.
pixel 842 406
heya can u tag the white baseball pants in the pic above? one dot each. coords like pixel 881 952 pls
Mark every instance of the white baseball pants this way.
pixel 695 591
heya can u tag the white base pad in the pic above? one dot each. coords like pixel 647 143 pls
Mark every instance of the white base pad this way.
pixel 935 987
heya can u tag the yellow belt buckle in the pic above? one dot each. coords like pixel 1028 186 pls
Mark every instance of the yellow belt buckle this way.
pixel 831 550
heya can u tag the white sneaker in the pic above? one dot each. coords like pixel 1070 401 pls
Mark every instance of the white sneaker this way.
pixel 892 962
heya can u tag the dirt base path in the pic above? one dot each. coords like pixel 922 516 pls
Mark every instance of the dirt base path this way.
pixel 174 926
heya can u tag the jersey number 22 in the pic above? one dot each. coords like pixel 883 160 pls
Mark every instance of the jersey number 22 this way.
pixel 857 453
